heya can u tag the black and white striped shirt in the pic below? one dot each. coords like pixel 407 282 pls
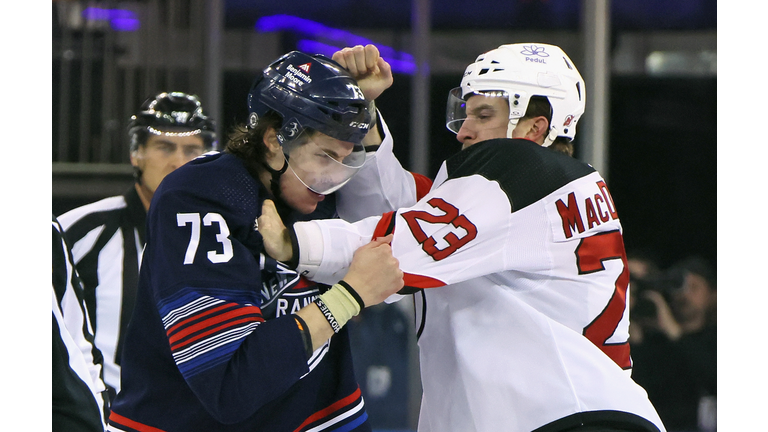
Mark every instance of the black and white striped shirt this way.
pixel 107 239
pixel 79 397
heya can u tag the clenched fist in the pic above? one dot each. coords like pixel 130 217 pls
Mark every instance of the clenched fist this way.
pixel 374 272
pixel 372 72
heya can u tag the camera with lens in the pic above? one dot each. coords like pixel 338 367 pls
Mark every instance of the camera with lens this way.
pixel 643 307
pixel 665 284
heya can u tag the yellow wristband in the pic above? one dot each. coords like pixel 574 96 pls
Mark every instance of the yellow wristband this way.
pixel 341 304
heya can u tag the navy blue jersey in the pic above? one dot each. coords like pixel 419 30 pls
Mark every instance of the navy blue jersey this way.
pixel 212 344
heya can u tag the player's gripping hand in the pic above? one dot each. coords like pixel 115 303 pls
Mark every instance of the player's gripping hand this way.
pixel 277 241
pixel 374 272
pixel 372 72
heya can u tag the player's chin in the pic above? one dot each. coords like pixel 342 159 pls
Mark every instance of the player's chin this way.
pixel 307 206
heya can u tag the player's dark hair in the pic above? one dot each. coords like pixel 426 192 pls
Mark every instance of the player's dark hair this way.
pixel 699 266
pixel 540 106
pixel 562 145
pixel 138 138
pixel 248 143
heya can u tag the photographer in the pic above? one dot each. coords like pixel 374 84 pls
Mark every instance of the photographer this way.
pixel 674 344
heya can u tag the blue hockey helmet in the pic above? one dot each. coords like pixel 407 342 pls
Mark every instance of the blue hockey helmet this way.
pixel 312 93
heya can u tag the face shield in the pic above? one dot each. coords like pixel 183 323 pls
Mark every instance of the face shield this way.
pixel 456 109
pixel 322 163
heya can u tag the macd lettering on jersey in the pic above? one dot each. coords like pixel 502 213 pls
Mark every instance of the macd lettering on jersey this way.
pixel 580 215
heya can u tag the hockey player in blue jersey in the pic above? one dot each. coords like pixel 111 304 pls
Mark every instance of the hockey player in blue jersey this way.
pixel 223 337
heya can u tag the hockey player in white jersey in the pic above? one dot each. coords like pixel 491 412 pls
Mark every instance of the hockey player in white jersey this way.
pixel 515 258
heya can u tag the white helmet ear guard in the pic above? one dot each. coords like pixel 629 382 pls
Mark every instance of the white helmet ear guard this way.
pixel 521 71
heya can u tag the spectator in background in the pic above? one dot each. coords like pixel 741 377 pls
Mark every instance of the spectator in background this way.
pixel 642 264
pixel 652 361
pixel 107 236
pixel 694 307
pixel 674 343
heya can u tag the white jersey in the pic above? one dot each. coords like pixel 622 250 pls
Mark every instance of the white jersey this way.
pixel 381 185
pixel 522 320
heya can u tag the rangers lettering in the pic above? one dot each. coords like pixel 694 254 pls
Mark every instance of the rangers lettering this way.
pixel 596 210
pixel 295 305
pixel 282 307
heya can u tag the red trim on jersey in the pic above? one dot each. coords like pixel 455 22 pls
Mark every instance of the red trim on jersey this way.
pixel 219 329
pixel 325 412
pixel 383 226
pixel 122 421
pixel 215 310
pixel 251 313
pixel 302 283
pixel 419 281
pixel 423 185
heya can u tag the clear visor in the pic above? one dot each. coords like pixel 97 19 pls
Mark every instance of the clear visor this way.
pixel 456 109
pixel 322 163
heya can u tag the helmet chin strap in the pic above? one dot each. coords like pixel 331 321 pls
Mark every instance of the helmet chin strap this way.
pixel 550 138
pixel 512 125
pixel 274 186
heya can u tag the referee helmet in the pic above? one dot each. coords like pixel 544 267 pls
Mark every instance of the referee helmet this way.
pixel 173 113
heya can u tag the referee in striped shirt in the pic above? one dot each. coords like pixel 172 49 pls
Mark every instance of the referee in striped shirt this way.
pixel 107 236
pixel 79 398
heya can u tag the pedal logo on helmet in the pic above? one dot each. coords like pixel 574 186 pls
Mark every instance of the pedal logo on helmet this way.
pixel 534 50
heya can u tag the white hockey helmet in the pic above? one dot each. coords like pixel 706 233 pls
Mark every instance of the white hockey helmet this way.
pixel 520 71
